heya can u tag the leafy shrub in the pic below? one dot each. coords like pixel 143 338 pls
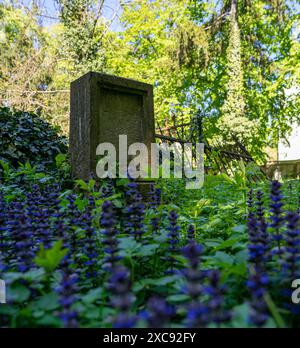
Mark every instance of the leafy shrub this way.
pixel 25 137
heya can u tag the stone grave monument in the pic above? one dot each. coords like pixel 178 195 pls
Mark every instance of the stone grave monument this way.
pixel 102 108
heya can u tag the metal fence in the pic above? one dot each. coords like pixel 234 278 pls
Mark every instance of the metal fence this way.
pixel 219 158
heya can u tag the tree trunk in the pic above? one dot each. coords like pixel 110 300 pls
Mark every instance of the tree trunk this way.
pixel 234 8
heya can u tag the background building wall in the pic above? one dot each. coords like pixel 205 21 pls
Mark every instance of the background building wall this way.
pixel 289 151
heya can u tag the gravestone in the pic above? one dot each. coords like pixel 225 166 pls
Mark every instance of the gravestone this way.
pixel 102 108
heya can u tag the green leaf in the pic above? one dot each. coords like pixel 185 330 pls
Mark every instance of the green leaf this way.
pixel 60 159
pixel 241 316
pixel 92 296
pixel 49 321
pixel 212 242
pixel 91 185
pixel 93 312
pixel 82 184
pixel 227 243
pixel 47 302
pixel 178 298
pixel 129 246
pixel 274 311
pixel 148 250
pixel 18 293
pixel 144 283
pixel 223 258
pixel 239 228
pixel 49 259
pixel 241 256
pixel 81 203
pixel 35 274
pixel 165 280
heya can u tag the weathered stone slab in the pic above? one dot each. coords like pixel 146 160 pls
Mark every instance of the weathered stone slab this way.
pixel 102 108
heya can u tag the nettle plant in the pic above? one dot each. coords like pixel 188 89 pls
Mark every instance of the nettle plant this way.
pixel 90 257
